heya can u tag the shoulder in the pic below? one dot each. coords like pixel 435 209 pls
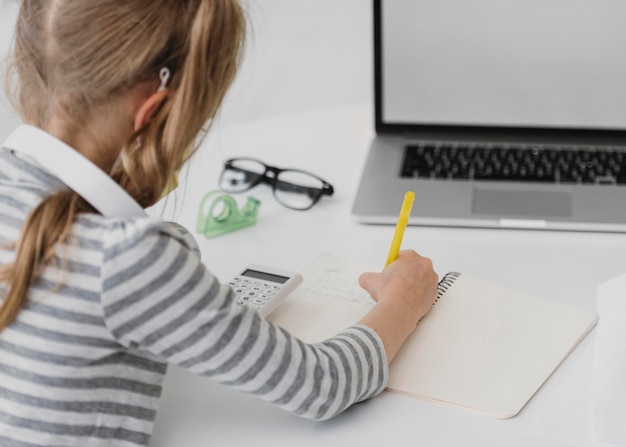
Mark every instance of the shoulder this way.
pixel 119 236
pixel 141 257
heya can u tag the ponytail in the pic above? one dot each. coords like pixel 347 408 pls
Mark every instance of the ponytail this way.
pixel 48 225
pixel 199 85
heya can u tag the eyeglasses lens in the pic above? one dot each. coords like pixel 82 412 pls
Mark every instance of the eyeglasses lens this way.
pixel 241 175
pixel 297 190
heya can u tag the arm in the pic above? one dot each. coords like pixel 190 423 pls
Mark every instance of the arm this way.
pixel 159 298
pixel 405 291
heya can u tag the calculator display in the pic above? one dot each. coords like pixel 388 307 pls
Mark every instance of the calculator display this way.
pixel 265 276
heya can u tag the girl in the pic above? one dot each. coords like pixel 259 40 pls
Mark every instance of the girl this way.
pixel 97 299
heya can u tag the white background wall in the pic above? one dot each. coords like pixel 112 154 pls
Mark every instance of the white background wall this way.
pixel 301 54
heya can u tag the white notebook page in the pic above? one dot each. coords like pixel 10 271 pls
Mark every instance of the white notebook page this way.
pixel 482 347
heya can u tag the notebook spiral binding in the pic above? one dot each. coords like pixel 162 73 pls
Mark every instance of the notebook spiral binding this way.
pixel 445 283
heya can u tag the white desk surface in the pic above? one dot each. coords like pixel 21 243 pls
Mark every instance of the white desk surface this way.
pixel 566 266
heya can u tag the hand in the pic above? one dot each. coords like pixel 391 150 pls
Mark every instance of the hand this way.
pixel 405 291
pixel 408 281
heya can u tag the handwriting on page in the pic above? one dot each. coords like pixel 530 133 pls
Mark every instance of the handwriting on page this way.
pixel 335 284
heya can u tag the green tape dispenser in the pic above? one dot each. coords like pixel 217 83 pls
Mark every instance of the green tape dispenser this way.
pixel 219 214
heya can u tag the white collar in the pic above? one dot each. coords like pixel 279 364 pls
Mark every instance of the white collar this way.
pixel 76 171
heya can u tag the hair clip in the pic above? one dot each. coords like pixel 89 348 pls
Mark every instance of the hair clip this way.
pixel 164 75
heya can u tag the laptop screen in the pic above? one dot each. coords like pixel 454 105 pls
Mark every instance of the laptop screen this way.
pixel 543 64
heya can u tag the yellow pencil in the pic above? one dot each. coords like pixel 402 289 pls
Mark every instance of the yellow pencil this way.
pixel 403 219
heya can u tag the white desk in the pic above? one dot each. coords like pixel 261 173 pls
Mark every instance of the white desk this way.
pixel 563 266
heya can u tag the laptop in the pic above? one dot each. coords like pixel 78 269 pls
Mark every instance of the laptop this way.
pixel 500 114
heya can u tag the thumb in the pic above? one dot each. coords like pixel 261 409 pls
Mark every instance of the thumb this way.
pixel 366 281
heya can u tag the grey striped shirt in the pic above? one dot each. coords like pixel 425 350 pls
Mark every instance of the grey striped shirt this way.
pixel 84 362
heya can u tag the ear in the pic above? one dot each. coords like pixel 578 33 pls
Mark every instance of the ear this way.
pixel 147 109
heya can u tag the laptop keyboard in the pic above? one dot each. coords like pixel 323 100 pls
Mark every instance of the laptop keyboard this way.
pixel 544 164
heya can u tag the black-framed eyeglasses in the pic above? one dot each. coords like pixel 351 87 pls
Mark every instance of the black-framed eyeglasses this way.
pixel 293 188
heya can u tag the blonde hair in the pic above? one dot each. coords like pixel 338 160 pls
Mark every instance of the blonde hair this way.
pixel 74 55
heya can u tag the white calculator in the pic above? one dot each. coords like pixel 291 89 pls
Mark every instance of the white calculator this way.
pixel 264 288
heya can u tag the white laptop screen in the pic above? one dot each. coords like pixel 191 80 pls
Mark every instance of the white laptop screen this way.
pixel 513 63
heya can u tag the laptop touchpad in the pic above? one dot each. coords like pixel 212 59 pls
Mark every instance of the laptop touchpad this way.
pixel 534 204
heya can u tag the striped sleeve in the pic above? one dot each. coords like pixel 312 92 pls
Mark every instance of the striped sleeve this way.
pixel 159 298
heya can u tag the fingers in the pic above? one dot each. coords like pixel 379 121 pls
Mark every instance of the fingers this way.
pixel 410 277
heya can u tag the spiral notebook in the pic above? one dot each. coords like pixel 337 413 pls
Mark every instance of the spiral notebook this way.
pixel 482 347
